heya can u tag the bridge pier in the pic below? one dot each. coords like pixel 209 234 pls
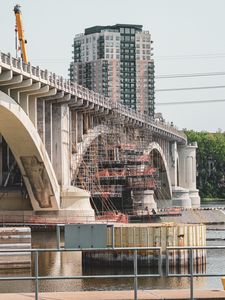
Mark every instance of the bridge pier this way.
pixel 187 176
pixel 144 200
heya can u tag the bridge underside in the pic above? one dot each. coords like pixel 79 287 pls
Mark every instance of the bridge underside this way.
pixel 25 167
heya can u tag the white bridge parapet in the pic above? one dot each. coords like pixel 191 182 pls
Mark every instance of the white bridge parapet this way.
pixel 65 85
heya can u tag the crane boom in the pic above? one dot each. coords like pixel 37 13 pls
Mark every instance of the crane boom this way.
pixel 20 32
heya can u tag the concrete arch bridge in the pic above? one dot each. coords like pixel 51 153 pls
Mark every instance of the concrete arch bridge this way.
pixel 55 134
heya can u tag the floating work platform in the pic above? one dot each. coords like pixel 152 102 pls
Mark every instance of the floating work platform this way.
pixel 151 235
pixel 120 295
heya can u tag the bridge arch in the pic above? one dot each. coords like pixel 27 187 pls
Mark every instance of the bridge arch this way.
pixel 81 162
pixel 30 155
pixel 166 188
pixel 83 146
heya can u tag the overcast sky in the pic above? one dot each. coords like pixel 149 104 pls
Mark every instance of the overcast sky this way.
pixel 188 38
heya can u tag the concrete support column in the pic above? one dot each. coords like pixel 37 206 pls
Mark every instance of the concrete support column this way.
pixel 85 123
pixel 91 121
pixel 1 161
pixel 79 127
pixel 56 140
pixel 173 165
pixel 41 119
pixel 74 130
pixel 61 146
pixel 187 174
pixel 48 128
pixel 66 155
pixel 24 103
pixel 32 107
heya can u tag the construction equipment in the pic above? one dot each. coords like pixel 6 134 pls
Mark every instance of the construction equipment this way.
pixel 20 34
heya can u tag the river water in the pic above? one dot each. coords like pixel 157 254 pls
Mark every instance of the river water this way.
pixel 69 263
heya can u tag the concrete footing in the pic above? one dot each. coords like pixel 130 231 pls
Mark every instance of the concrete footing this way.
pixel 75 207
pixel 195 199
pixel 144 200
pixel 77 201
pixel 180 197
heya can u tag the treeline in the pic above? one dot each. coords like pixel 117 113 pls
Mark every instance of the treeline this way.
pixel 210 163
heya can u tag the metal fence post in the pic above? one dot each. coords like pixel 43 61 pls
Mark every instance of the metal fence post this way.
pixel 113 236
pixel 58 236
pixel 36 274
pixel 167 263
pixel 135 276
pixel 160 262
pixel 191 274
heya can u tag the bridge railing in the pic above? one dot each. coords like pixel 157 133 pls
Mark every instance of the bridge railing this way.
pixel 74 88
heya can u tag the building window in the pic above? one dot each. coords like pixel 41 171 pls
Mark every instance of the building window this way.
pixel 127 30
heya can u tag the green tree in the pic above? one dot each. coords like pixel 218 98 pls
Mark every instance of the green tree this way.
pixel 210 163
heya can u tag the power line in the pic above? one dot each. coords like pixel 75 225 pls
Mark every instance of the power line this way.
pixel 191 56
pixel 190 75
pixel 189 102
pixel 191 88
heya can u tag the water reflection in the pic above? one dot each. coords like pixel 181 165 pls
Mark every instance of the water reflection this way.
pixel 70 263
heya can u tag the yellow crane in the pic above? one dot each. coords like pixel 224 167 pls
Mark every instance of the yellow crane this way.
pixel 20 34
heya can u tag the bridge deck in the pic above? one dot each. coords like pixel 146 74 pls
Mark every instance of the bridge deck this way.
pixel 120 295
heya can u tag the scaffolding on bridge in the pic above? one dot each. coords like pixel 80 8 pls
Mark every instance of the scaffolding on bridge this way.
pixel 115 165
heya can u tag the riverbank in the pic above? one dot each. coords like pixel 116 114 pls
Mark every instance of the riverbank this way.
pixel 121 295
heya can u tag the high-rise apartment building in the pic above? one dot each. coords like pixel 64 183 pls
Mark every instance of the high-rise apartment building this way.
pixel 116 61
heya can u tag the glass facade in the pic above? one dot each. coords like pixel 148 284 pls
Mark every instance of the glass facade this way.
pixel 116 61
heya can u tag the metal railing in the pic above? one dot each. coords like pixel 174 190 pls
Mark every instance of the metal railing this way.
pixel 190 274
pixel 36 278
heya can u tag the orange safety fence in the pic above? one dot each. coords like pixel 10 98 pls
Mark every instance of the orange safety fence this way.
pixel 125 172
